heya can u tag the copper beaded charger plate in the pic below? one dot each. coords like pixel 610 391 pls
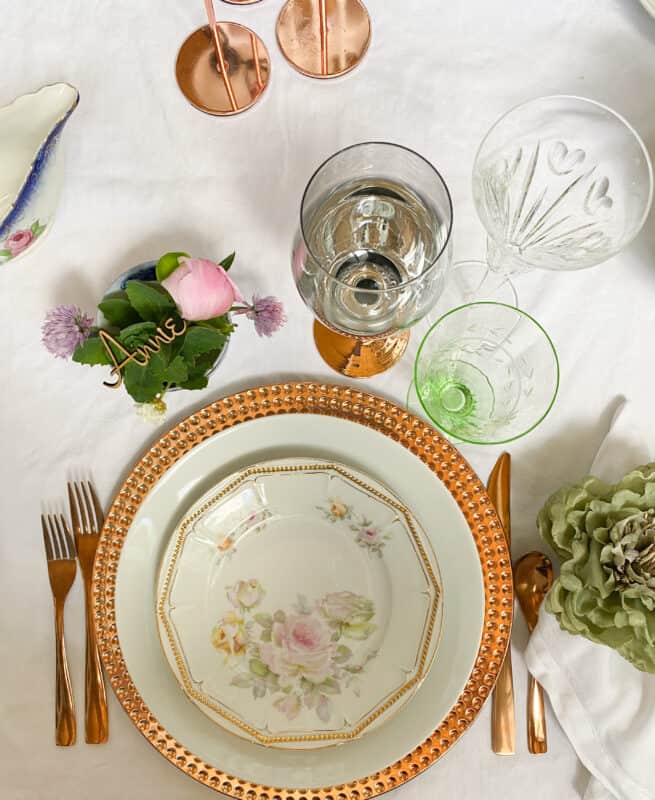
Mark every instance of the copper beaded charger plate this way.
pixel 379 439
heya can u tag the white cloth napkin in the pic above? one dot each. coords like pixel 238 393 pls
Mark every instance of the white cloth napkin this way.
pixel 606 706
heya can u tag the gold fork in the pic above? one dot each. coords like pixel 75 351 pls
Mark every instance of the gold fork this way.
pixel 60 552
pixel 87 518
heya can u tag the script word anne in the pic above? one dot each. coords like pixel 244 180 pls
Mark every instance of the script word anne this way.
pixel 141 355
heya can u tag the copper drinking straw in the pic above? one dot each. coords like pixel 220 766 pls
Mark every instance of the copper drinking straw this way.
pixel 223 67
pixel 324 38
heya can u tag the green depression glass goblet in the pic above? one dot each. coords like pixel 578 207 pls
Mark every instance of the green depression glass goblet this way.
pixel 486 373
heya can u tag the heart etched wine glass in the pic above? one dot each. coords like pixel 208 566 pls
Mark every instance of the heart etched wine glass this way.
pixel 371 254
pixel 560 183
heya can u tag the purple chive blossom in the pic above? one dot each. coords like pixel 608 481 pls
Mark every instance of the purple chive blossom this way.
pixel 266 312
pixel 64 329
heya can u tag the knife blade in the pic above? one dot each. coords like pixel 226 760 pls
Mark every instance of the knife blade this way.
pixel 503 734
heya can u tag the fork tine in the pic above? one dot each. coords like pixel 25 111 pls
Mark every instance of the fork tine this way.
pixel 46 539
pixel 61 541
pixel 72 550
pixel 96 507
pixel 75 517
pixel 82 509
pixel 54 539
pixel 90 511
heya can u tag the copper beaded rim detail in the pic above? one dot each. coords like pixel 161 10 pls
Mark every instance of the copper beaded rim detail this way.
pixel 392 421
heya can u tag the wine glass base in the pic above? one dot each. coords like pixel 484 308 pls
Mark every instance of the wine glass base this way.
pixel 323 38
pixel 359 357
pixel 200 79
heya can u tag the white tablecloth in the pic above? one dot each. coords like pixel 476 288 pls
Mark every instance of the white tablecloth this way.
pixel 147 173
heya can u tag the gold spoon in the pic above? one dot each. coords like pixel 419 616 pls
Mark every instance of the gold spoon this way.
pixel 533 577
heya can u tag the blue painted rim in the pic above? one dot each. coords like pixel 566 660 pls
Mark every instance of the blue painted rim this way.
pixel 38 165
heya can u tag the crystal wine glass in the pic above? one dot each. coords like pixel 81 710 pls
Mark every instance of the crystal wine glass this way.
pixel 560 183
pixel 486 373
pixel 371 255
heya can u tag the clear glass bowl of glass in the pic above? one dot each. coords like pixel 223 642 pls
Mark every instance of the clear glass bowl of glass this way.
pixel 371 255
pixel 486 373
pixel 560 183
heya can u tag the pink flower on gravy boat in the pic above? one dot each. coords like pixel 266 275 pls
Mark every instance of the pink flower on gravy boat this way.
pixel 19 241
pixel 300 647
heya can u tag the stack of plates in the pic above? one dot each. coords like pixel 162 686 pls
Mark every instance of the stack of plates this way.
pixel 302 599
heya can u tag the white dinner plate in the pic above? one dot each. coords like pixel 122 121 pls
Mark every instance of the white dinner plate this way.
pixel 299 604
pixel 307 436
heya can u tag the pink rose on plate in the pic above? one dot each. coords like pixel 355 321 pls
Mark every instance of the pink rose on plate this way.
pixel 369 535
pixel 301 647
pixel 201 289
pixel 19 241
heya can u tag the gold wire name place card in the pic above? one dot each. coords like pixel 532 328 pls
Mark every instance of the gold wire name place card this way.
pixel 142 354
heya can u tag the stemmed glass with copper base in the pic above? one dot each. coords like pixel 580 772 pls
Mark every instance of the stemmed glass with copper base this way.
pixel 222 68
pixel 324 38
pixel 371 254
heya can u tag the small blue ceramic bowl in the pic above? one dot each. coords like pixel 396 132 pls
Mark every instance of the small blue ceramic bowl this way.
pixel 146 272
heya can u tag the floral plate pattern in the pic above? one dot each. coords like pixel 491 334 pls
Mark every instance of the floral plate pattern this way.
pixel 299 604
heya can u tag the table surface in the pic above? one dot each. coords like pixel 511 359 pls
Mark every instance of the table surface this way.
pixel 146 173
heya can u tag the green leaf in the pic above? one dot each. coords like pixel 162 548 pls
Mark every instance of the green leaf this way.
pixel 266 636
pixel 330 686
pixel 167 264
pixel 118 312
pixel 279 616
pixel 91 352
pixel 194 383
pixel 242 681
pixel 199 341
pixel 227 262
pixel 176 372
pixel 5 253
pixel 144 383
pixel 343 654
pixel 151 301
pixel 135 336
pixel 257 667
pixel 221 324
pixel 265 620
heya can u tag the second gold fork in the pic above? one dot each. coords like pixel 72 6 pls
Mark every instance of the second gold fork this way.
pixel 87 518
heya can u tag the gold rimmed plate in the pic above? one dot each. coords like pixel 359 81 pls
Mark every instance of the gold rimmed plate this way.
pixel 394 448
pixel 299 604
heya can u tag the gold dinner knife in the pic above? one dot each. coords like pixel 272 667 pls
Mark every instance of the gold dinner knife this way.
pixel 502 708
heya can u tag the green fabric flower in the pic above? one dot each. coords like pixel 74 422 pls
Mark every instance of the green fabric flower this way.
pixel 605 536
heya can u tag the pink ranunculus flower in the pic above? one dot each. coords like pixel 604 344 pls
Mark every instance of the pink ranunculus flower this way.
pixel 19 241
pixel 201 289
pixel 300 647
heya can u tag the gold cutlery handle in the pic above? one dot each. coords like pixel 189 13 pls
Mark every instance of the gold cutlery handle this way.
pixel 502 710
pixel 65 728
pixel 95 712
pixel 537 741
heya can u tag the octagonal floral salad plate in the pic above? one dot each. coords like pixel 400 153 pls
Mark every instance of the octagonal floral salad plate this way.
pixel 299 604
